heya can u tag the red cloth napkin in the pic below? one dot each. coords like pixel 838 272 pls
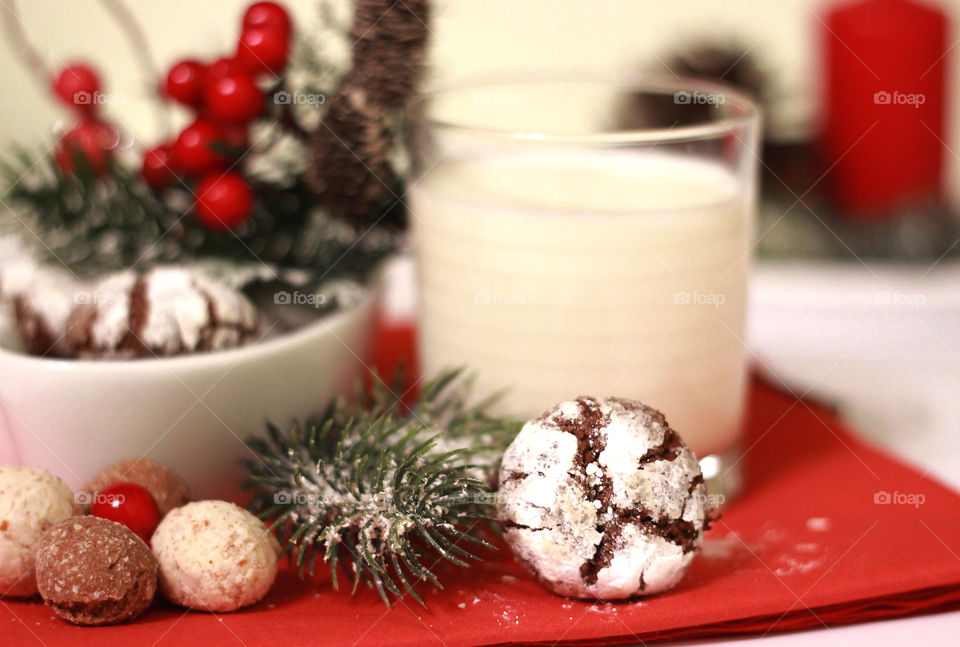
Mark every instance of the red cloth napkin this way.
pixel 813 541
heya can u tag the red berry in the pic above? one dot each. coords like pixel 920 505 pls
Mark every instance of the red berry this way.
pixel 223 67
pixel 234 98
pixel 185 83
pixel 157 169
pixel 235 136
pixel 194 150
pixel 262 49
pixel 91 141
pixel 269 15
pixel 129 504
pixel 224 201
pixel 77 86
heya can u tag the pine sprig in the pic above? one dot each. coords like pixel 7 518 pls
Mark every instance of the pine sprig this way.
pixel 383 492
pixel 96 223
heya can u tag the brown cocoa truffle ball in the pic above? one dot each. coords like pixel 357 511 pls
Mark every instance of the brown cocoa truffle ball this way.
pixel 93 571
pixel 167 487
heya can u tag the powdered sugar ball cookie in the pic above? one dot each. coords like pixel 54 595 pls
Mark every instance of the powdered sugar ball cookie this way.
pixel 31 500
pixel 600 498
pixel 214 556
pixel 167 311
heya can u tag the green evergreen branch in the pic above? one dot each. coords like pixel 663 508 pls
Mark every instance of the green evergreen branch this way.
pixel 97 223
pixel 383 491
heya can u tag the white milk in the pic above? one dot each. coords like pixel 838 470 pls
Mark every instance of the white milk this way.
pixel 578 273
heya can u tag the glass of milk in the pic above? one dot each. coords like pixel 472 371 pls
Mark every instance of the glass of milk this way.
pixel 590 237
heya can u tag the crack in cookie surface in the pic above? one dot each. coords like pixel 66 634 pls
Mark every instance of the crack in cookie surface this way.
pixel 668 449
pixel 587 427
pixel 597 485
pixel 615 482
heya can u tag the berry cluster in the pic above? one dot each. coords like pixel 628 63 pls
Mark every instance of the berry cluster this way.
pixel 224 95
pixel 91 139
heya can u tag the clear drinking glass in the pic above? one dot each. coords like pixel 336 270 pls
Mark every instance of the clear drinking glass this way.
pixel 585 237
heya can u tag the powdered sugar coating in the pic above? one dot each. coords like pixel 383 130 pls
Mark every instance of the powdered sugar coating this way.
pixel 214 556
pixel 601 499
pixel 167 311
pixel 40 298
pixel 110 298
pixel 31 500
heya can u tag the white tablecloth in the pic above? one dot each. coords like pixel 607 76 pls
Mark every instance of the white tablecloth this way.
pixel 883 344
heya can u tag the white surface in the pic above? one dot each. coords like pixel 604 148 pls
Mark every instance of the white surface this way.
pixel 922 631
pixel 882 343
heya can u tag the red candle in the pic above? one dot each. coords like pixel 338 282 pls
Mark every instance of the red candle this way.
pixel 885 73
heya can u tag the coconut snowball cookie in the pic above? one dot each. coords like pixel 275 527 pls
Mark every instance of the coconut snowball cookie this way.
pixel 31 500
pixel 94 571
pixel 166 311
pixel 214 556
pixel 601 499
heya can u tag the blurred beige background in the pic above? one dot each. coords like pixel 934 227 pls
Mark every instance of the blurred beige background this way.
pixel 471 37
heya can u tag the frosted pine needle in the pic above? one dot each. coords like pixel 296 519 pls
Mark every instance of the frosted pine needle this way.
pixel 381 492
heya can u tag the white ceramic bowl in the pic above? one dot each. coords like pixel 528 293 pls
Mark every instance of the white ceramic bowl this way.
pixel 74 417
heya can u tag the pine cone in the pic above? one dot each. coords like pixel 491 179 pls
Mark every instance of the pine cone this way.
pixel 389 44
pixel 724 63
pixel 350 168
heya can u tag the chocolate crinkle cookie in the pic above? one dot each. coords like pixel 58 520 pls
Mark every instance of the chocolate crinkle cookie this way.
pixel 166 311
pixel 39 298
pixel 93 571
pixel 601 499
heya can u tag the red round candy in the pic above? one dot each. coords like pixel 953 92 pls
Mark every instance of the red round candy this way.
pixel 234 98
pixel 262 49
pixel 224 201
pixel 93 141
pixel 185 83
pixel 77 86
pixel 269 15
pixel 157 170
pixel 129 504
pixel 194 150
pixel 223 67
